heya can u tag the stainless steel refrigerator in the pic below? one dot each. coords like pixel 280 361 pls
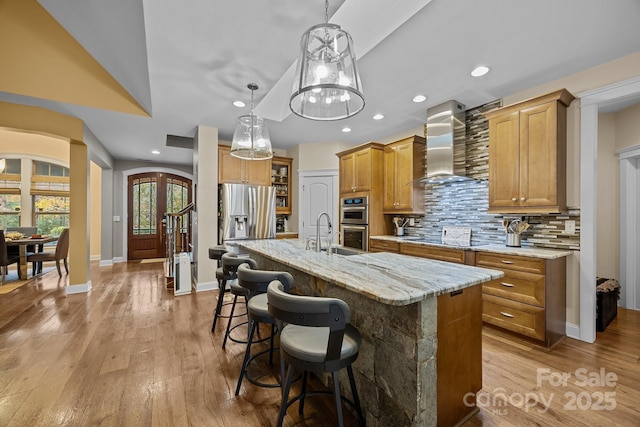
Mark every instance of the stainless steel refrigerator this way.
pixel 247 212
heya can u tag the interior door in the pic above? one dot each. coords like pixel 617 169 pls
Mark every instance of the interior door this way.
pixel 150 196
pixel 318 195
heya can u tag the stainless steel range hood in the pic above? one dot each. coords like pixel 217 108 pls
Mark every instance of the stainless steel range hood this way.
pixel 446 141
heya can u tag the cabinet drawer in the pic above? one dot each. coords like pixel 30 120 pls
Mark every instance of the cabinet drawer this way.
pixel 515 285
pixel 517 317
pixel 383 246
pixel 512 262
pixel 433 252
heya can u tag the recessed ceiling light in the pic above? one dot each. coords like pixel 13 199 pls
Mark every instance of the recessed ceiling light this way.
pixel 346 129
pixel 419 98
pixel 378 117
pixel 155 152
pixel 239 104
pixel 480 71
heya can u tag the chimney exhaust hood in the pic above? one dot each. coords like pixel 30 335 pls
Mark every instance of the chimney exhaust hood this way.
pixel 446 143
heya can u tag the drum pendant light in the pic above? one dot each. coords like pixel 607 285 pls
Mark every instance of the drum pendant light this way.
pixel 326 85
pixel 251 136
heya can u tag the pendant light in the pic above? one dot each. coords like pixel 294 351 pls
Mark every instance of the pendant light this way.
pixel 327 85
pixel 251 137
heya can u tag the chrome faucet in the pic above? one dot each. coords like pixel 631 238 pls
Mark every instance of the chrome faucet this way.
pixel 318 241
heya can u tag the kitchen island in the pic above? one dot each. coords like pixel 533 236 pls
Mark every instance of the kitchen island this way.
pixel 420 322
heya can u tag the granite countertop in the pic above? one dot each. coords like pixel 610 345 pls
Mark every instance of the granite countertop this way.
pixel 286 233
pixel 392 279
pixel 530 251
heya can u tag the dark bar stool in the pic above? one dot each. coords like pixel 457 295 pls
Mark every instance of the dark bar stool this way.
pixel 317 338
pixel 255 283
pixel 230 264
pixel 216 253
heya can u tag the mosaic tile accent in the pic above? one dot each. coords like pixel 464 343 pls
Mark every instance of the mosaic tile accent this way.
pixel 465 203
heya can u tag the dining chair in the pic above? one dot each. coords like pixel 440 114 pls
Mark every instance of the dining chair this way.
pixel 5 258
pixel 60 254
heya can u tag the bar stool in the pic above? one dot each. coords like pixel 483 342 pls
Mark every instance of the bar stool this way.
pixel 230 264
pixel 216 253
pixel 317 338
pixel 255 283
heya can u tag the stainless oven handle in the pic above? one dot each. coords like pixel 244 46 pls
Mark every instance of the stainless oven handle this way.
pixel 354 208
pixel 354 227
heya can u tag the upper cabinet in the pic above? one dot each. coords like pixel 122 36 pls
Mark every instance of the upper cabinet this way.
pixel 232 170
pixel 403 166
pixel 528 155
pixel 281 181
pixel 359 168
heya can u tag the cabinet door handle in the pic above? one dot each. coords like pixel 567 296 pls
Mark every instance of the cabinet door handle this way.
pixel 511 316
pixel 506 261
pixel 508 285
pixel 522 199
pixel 513 199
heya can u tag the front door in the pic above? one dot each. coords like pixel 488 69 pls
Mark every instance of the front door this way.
pixel 150 196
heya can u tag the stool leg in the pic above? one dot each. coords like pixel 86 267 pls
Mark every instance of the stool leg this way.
pixel 336 393
pixel 303 393
pixel 273 332
pixel 354 393
pixel 226 334
pixel 221 285
pixel 285 396
pixel 247 355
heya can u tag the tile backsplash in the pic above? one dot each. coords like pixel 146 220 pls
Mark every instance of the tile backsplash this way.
pixel 465 203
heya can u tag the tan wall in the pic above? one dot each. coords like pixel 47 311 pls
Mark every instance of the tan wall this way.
pixel 628 127
pixel 608 208
pixel 320 155
pixel 419 130
pixel 34 145
pixel 95 218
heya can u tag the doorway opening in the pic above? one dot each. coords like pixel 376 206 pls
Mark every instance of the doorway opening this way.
pixel 150 197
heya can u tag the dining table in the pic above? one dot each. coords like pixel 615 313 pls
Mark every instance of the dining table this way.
pixel 22 244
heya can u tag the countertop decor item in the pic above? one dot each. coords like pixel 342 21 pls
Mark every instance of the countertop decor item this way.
pixel 251 137
pixel 327 84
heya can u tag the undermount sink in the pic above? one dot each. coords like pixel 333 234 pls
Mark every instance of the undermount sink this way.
pixel 341 250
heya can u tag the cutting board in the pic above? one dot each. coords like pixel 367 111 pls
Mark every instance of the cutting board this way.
pixel 456 236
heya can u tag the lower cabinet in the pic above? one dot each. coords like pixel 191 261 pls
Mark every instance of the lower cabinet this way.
pixel 376 245
pixel 433 252
pixel 530 300
pixel 459 353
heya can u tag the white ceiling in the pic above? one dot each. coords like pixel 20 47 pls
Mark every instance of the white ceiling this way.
pixel 187 61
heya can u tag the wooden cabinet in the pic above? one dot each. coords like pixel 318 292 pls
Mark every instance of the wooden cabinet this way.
pixel 527 155
pixel 529 300
pixel 378 245
pixel 403 166
pixel 232 170
pixel 360 167
pixel 281 181
pixel 433 252
pixel 459 353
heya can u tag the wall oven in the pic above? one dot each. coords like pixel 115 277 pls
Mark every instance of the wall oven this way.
pixel 354 220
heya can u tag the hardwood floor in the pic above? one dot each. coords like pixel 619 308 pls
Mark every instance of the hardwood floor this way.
pixel 131 354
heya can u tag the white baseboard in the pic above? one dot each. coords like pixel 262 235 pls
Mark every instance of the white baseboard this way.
pixel 573 331
pixel 94 258
pixel 106 262
pixel 119 259
pixel 79 289
pixel 206 286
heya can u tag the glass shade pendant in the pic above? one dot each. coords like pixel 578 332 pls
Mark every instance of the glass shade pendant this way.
pixel 251 137
pixel 327 84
